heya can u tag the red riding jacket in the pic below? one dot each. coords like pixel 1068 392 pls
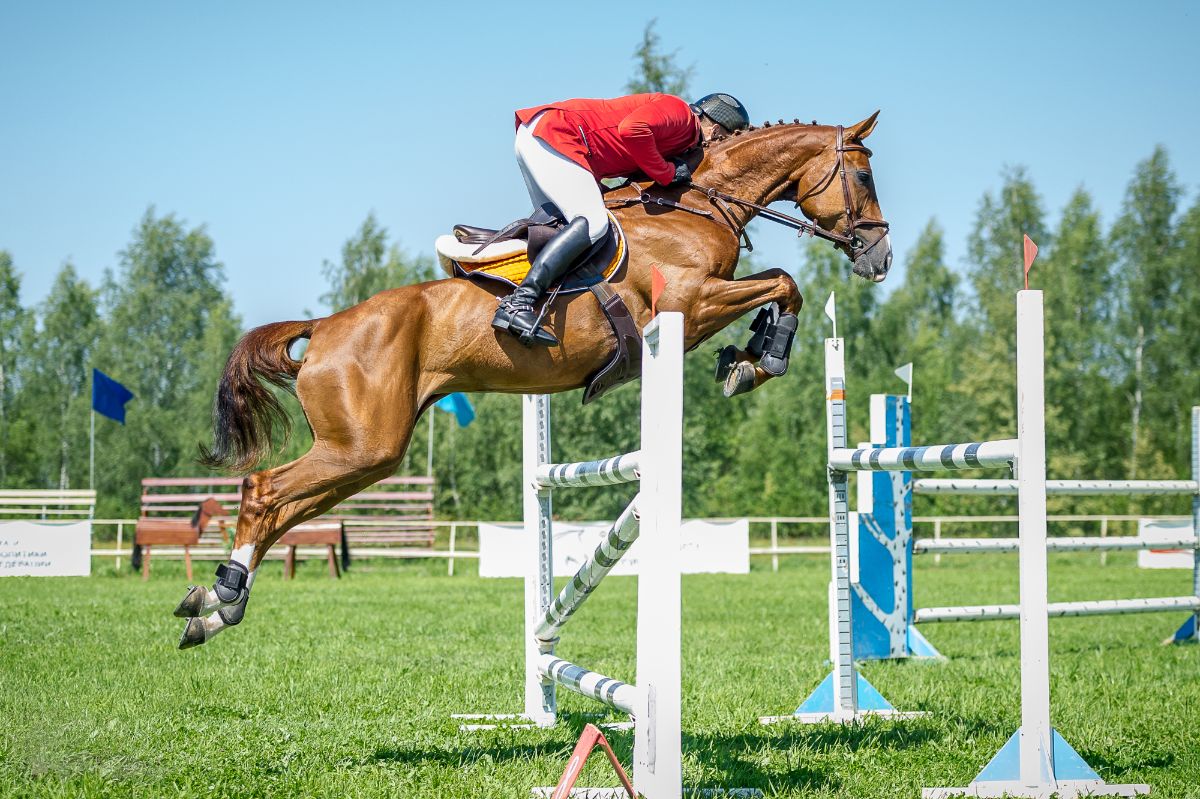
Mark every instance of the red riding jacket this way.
pixel 612 138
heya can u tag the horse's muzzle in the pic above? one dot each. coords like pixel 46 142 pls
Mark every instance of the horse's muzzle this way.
pixel 875 259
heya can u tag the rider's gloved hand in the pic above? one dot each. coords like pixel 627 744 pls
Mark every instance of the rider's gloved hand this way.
pixel 683 173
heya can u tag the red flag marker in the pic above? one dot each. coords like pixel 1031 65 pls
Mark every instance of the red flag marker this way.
pixel 658 284
pixel 1030 254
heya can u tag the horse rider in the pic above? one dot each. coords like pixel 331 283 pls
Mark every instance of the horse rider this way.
pixel 565 148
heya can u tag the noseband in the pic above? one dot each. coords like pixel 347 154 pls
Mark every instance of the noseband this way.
pixel 721 201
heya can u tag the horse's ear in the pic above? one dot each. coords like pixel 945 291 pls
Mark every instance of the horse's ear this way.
pixel 863 129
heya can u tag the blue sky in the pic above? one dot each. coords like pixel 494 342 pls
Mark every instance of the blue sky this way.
pixel 279 126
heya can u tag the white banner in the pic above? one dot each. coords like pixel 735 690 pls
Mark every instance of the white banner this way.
pixel 708 547
pixel 40 549
pixel 1164 530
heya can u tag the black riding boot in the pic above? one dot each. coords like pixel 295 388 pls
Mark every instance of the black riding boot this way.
pixel 517 312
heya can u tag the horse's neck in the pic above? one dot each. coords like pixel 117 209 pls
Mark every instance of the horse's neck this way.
pixel 759 166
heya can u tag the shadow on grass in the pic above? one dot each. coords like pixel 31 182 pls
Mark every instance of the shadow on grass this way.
pixel 760 757
pixel 1111 768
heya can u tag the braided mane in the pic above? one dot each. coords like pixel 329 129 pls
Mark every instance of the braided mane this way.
pixel 725 137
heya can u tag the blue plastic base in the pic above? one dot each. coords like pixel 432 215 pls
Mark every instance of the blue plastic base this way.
pixel 1006 765
pixel 821 699
pixel 919 646
pixel 1186 633
pixel 1072 777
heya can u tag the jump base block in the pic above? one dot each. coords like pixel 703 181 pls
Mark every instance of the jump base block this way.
pixel 1072 777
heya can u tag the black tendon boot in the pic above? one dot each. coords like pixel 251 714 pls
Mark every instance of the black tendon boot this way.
pixel 778 348
pixel 517 313
pixel 232 587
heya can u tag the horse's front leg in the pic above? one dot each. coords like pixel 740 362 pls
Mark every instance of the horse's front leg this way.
pixel 766 354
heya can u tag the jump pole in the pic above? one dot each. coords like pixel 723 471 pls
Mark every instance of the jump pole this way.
pixel 885 618
pixel 1036 762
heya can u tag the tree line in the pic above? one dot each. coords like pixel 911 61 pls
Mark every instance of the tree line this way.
pixel 1122 339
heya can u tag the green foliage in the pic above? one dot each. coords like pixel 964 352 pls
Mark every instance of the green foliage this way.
pixel 163 324
pixel 656 71
pixel 369 266
pixel 57 382
pixel 14 321
pixel 169 327
pixel 1155 274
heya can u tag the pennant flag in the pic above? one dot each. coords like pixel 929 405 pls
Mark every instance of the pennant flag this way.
pixel 109 396
pixel 1030 254
pixel 460 406
pixel 905 374
pixel 831 312
pixel 658 284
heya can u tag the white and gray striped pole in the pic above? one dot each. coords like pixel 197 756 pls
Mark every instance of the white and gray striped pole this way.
pixel 620 537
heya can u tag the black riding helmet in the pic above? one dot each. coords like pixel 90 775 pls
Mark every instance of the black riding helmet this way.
pixel 724 109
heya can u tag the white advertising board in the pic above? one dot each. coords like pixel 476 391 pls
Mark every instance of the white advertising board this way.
pixel 1164 530
pixel 708 547
pixel 39 549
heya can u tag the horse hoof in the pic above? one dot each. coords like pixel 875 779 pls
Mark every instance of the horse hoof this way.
pixel 192 604
pixel 726 356
pixel 193 634
pixel 740 379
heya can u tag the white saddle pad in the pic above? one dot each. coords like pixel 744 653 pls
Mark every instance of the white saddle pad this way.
pixel 450 249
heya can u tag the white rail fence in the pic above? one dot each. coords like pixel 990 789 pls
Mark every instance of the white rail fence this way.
pixel 945 537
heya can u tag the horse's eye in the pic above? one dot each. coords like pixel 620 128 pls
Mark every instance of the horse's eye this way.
pixel 864 177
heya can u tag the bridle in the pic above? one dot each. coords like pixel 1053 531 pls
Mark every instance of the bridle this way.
pixel 722 201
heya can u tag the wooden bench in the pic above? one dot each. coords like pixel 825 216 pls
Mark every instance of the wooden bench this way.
pixel 326 534
pixel 52 505
pixel 397 511
pixel 150 532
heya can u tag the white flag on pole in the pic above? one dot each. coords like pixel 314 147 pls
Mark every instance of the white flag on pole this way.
pixel 831 312
pixel 905 374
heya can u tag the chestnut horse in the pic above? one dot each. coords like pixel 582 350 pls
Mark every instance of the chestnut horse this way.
pixel 371 370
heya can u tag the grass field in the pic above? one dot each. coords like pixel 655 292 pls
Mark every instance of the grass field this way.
pixel 344 689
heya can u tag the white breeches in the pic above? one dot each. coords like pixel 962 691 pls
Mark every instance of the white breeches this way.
pixel 553 178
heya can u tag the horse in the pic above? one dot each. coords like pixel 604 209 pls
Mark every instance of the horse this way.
pixel 370 371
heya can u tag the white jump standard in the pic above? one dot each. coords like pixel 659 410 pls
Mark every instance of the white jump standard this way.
pixel 1036 761
pixel 655 516
pixel 845 696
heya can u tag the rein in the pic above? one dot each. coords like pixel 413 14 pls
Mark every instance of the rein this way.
pixel 721 201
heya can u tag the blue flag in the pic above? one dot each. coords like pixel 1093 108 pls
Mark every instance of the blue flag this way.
pixel 460 406
pixel 109 396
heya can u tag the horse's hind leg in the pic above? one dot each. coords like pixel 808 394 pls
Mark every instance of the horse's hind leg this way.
pixel 274 501
pixel 766 355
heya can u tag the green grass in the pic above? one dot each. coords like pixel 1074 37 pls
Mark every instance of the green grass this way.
pixel 344 689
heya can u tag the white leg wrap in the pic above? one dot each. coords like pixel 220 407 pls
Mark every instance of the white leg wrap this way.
pixel 242 555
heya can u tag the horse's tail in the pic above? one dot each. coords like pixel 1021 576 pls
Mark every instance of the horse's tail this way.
pixel 246 413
